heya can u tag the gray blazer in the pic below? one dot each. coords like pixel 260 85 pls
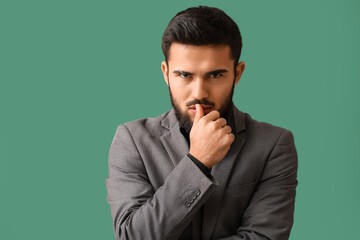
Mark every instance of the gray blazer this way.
pixel 156 192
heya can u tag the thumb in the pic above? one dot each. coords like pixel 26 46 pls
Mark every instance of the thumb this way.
pixel 199 112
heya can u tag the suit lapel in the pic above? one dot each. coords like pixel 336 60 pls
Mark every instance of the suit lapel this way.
pixel 173 141
pixel 221 172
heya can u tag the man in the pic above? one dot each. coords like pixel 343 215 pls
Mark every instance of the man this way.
pixel 203 170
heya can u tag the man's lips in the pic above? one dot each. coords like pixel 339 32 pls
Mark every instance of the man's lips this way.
pixel 206 108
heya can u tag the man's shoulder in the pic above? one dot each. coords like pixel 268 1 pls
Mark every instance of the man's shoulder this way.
pixel 256 125
pixel 151 125
pixel 263 131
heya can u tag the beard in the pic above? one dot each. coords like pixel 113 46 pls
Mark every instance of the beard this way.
pixel 184 118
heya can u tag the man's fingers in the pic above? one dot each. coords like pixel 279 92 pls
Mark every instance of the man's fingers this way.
pixel 220 122
pixel 213 115
pixel 232 137
pixel 227 129
pixel 199 112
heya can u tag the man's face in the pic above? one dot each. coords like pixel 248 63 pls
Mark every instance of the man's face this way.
pixel 200 74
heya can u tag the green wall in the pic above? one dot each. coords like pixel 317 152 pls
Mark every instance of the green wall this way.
pixel 71 71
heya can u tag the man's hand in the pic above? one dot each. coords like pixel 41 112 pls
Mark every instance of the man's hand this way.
pixel 210 137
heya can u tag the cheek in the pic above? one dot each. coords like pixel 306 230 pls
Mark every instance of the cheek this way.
pixel 220 95
pixel 180 93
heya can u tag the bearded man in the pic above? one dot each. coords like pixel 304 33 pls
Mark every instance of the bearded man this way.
pixel 204 169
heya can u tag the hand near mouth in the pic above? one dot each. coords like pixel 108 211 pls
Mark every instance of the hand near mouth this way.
pixel 206 108
pixel 210 137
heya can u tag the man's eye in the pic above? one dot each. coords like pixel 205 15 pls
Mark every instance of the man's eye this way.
pixel 185 75
pixel 215 75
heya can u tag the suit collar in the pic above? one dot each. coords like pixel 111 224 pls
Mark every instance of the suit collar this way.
pixel 170 120
pixel 239 118
pixel 173 140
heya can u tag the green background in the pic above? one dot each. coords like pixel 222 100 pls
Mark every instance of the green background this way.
pixel 71 71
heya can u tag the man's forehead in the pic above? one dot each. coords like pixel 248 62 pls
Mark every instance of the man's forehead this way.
pixel 210 56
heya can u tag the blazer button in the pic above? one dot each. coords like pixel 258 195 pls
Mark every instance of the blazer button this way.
pixel 193 196
pixel 191 200
pixel 187 204
pixel 197 192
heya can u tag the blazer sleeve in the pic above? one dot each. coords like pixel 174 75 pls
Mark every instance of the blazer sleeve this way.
pixel 271 210
pixel 138 210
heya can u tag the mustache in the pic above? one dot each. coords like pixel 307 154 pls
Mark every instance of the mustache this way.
pixel 197 101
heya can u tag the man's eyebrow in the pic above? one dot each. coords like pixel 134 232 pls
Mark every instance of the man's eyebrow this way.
pixel 217 71
pixel 179 72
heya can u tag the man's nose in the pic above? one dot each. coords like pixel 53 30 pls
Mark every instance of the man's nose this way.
pixel 200 90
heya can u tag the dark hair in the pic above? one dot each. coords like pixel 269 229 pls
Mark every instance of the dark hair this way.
pixel 203 26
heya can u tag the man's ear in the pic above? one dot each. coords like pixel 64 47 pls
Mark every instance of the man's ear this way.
pixel 164 69
pixel 239 71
